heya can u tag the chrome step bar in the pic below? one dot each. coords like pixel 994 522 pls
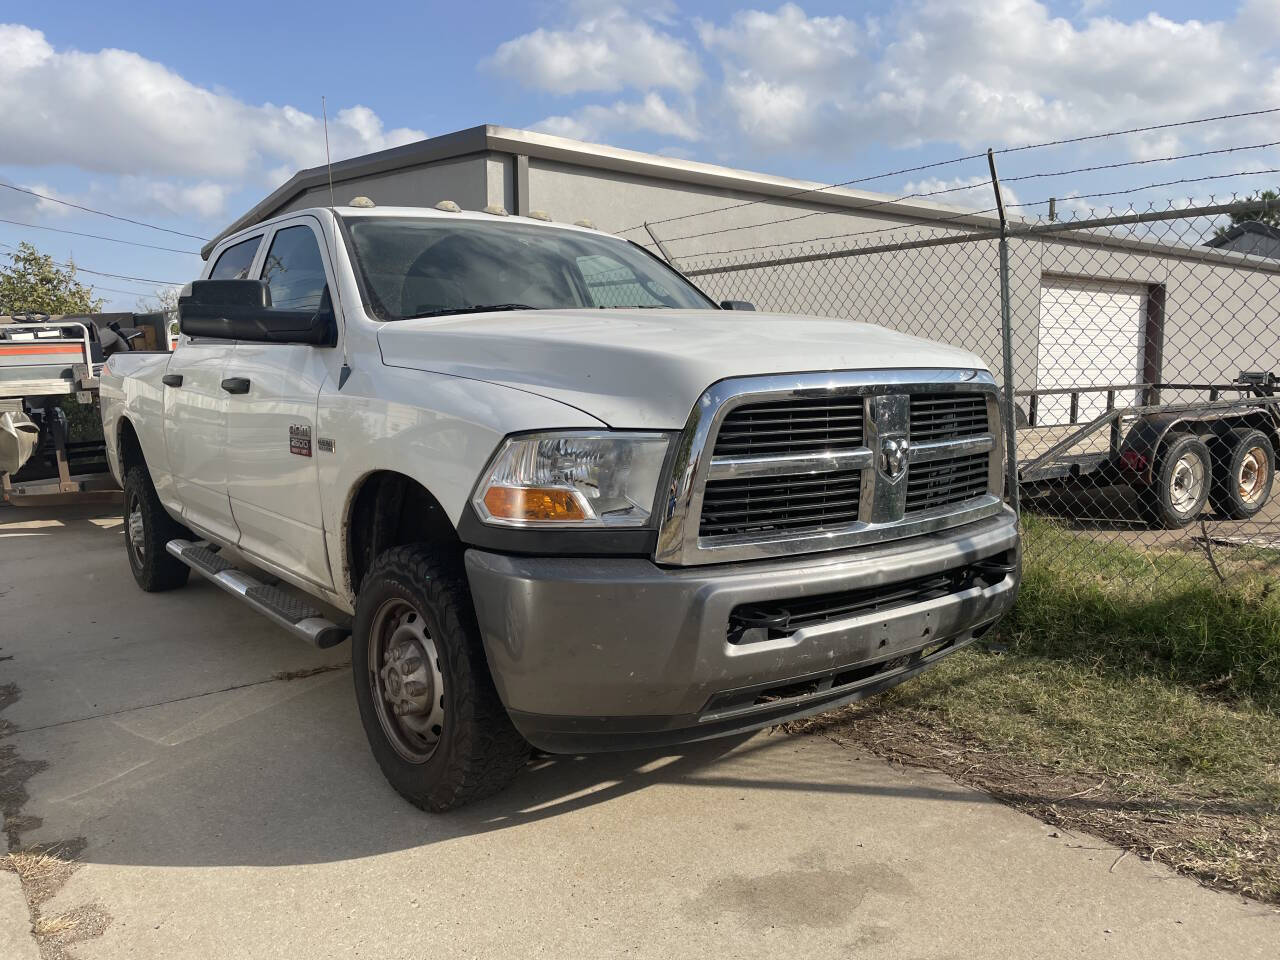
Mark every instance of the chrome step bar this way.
pixel 295 615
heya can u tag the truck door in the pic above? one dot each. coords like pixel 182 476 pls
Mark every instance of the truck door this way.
pixel 195 406
pixel 271 444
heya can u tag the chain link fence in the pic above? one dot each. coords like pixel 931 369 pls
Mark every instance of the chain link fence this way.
pixel 1143 351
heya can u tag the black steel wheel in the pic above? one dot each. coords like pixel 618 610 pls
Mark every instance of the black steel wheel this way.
pixel 1182 476
pixel 427 702
pixel 147 528
pixel 1244 474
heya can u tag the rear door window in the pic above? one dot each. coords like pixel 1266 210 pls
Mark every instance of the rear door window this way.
pixel 234 262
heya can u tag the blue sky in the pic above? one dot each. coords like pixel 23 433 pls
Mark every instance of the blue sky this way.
pixel 185 115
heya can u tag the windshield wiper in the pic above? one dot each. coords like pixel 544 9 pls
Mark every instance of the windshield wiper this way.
pixel 639 306
pixel 474 308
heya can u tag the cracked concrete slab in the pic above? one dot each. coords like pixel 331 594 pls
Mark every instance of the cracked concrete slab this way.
pixel 252 821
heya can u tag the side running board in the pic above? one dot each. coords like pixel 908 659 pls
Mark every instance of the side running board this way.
pixel 297 616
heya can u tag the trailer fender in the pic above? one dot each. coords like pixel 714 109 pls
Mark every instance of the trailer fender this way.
pixel 1142 443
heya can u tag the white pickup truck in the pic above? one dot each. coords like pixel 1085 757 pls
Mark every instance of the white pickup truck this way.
pixel 554 493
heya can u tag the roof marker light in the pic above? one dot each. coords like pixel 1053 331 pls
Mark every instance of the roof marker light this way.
pixel 362 202
pixel 539 215
pixel 590 225
pixel 497 210
pixel 448 206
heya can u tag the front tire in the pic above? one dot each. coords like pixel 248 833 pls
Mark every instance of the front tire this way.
pixel 427 702
pixel 1243 478
pixel 147 530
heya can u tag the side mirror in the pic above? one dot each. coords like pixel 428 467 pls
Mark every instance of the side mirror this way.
pixel 737 305
pixel 241 310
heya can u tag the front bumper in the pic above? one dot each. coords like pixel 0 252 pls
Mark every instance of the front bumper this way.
pixel 601 654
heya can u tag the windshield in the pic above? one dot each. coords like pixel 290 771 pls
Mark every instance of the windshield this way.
pixel 416 267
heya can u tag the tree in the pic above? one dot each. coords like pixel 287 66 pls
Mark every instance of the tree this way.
pixel 34 283
pixel 164 300
pixel 1267 211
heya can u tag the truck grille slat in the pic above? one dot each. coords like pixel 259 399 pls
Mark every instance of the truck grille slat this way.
pixel 779 504
pixel 783 427
pixel 946 482
pixel 948 416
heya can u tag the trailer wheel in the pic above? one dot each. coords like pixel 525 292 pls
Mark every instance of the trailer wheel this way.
pixel 147 529
pixel 428 704
pixel 1183 474
pixel 1243 476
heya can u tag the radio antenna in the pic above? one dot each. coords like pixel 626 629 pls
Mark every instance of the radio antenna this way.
pixel 328 164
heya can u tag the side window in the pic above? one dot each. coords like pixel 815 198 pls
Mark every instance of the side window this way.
pixel 294 270
pixel 234 263
pixel 614 284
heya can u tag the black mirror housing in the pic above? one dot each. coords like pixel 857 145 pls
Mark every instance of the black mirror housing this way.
pixel 737 305
pixel 241 310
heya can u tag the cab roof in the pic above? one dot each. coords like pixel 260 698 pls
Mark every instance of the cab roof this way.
pixel 377 212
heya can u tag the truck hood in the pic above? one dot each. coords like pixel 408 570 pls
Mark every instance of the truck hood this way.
pixel 647 368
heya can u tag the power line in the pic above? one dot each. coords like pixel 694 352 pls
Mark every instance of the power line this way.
pixel 130 293
pixel 99 273
pixel 96 236
pixel 941 163
pixel 101 213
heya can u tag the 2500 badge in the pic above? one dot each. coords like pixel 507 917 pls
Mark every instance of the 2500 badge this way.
pixel 300 440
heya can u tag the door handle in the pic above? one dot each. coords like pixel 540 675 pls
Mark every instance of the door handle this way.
pixel 172 379
pixel 236 385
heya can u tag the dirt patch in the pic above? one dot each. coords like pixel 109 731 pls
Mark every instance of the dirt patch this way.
pixel 1223 843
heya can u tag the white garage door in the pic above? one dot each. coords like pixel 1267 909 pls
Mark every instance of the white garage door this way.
pixel 1090 335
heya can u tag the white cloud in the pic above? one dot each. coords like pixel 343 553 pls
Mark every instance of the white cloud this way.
pixel 594 121
pixel 1005 71
pixel 24 205
pixel 971 192
pixel 117 112
pixel 610 49
pixel 788 41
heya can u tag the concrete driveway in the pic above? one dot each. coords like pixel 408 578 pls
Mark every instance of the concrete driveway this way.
pixel 219 808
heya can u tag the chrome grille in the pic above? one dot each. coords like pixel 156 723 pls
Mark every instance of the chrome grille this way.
pixel 941 416
pixel 791 426
pixel 943 483
pixel 804 462
pixel 769 504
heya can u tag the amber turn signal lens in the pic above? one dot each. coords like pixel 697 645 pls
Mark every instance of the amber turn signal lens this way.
pixel 533 503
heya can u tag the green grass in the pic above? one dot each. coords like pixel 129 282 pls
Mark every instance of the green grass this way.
pixel 1156 613
pixel 1125 682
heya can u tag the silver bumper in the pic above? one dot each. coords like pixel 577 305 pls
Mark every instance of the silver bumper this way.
pixel 605 653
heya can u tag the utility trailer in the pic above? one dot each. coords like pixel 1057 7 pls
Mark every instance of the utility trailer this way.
pixel 1215 443
pixel 42 362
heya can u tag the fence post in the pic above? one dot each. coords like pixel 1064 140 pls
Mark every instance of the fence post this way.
pixel 1006 338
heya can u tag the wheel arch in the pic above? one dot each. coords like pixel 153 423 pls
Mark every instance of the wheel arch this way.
pixel 128 447
pixel 385 509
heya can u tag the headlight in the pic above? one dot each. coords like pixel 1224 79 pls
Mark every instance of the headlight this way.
pixel 573 479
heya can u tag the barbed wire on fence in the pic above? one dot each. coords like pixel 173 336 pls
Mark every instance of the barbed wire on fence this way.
pixel 806 191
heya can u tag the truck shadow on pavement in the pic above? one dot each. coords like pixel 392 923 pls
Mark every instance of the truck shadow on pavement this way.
pixel 281 774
